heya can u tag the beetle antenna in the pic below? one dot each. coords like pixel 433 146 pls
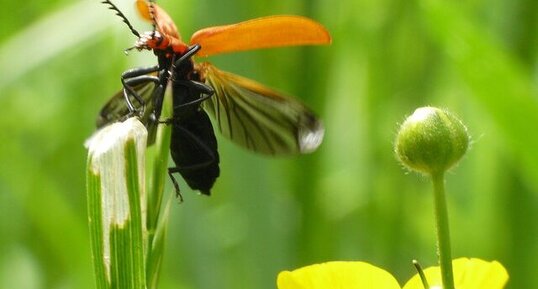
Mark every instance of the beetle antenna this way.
pixel 152 14
pixel 122 16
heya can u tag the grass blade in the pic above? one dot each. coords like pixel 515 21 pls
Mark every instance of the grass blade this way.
pixel 115 201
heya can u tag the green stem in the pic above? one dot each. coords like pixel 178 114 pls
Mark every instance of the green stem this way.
pixel 443 235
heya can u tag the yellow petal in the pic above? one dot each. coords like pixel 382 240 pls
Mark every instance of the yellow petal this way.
pixel 468 274
pixel 336 275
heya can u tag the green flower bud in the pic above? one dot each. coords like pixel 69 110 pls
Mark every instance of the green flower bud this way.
pixel 431 141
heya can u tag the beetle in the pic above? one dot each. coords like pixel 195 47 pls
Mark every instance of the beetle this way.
pixel 250 114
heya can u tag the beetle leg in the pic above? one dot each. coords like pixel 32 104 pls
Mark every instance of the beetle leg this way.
pixel 133 77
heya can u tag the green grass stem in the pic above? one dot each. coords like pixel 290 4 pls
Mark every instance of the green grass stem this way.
pixel 443 234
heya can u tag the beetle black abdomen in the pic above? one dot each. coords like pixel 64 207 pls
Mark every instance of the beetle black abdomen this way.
pixel 194 150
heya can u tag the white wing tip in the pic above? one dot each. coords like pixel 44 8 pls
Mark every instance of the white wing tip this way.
pixel 310 137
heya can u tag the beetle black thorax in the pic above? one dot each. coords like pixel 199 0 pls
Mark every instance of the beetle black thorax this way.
pixel 181 76
pixel 187 89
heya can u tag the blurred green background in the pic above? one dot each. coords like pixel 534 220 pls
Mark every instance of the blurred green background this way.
pixel 61 60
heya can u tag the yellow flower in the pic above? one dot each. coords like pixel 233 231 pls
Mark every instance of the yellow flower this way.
pixel 468 274
pixel 338 274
